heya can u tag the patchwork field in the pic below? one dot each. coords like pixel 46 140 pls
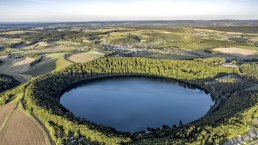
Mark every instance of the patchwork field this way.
pixel 21 66
pixel 236 51
pixel 49 63
pixel 23 78
pixel 16 68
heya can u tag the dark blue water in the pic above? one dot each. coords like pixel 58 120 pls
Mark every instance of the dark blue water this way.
pixel 132 104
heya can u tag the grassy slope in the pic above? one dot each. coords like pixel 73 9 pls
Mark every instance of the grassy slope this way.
pixel 51 62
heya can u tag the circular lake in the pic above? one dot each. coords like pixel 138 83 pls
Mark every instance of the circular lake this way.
pixel 131 103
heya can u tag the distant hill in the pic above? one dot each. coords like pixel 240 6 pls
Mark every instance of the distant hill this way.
pixel 5 25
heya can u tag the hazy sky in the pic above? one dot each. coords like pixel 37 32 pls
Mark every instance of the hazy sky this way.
pixel 99 10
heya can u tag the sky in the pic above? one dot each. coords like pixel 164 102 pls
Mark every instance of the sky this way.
pixel 119 10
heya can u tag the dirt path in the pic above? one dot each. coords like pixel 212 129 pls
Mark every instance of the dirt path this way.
pixel 19 128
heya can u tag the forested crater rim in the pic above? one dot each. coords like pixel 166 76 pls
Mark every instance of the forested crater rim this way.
pixel 42 94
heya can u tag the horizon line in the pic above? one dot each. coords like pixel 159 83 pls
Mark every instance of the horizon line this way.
pixel 97 21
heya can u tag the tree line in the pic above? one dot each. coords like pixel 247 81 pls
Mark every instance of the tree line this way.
pixel 7 82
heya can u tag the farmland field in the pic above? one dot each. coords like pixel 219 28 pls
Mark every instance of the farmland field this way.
pixel 85 57
pixel 21 66
pixel 49 63
pixel 236 51
pixel 27 130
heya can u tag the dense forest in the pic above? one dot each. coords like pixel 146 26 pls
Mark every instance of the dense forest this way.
pixel 52 35
pixel 7 82
pixel 250 70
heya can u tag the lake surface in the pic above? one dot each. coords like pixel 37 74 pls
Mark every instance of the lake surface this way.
pixel 132 104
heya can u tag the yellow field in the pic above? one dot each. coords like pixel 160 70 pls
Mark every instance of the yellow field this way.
pixel 18 128
pixel 85 57
pixel 17 32
pixel 236 51
pixel 216 31
pixel 62 63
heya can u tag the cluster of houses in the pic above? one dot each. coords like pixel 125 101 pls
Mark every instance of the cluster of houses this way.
pixel 249 137
pixel 122 50
pixel 233 78
pixel 127 50
pixel 77 141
